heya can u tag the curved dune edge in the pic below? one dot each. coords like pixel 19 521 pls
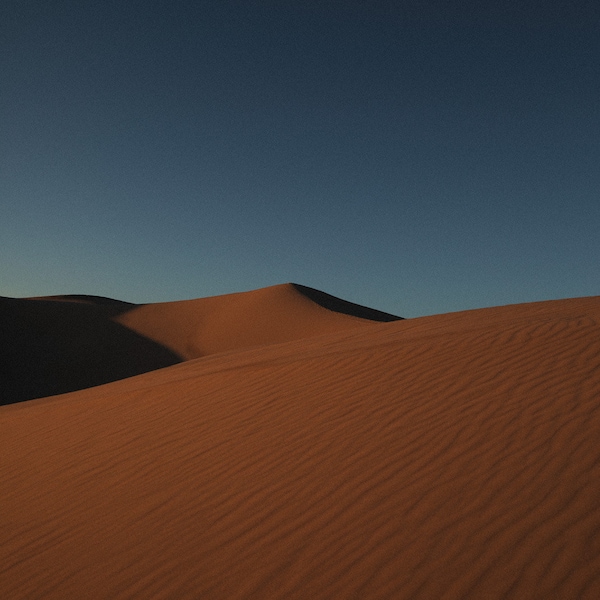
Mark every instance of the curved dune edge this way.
pixel 61 344
pixel 453 456
pixel 271 315
pixel 50 347
pixel 343 306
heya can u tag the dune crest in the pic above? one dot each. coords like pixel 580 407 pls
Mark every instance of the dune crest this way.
pixel 59 344
pixel 271 315
pixel 454 456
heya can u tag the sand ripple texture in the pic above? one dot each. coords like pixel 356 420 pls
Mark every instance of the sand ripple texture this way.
pixel 455 456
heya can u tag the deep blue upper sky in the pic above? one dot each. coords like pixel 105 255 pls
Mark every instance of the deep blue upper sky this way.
pixel 418 157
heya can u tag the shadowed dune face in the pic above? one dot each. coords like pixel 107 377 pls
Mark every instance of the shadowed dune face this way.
pixel 453 456
pixel 53 346
pixel 109 306
pixel 343 306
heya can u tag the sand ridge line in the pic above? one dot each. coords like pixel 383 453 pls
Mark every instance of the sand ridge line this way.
pixel 459 465
pixel 57 345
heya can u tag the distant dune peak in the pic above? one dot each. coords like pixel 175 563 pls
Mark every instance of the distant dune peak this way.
pixel 57 344
pixel 336 304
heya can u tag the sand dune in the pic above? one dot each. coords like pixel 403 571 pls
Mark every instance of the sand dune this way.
pixel 60 344
pixel 453 456
pixel 53 346
pixel 195 328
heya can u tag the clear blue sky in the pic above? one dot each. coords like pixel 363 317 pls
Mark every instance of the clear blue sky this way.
pixel 417 157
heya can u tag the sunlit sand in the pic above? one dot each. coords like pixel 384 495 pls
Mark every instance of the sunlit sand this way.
pixel 283 444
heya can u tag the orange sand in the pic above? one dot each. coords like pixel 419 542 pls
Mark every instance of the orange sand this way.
pixel 62 344
pixel 454 456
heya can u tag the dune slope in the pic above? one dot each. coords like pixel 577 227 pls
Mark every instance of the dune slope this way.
pixel 281 313
pixel 53 346
pixel 451 457
pixel 61 344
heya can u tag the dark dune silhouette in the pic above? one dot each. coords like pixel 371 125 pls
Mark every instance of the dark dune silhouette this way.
pixel 117 306
pixel 51 347
pixel 343 306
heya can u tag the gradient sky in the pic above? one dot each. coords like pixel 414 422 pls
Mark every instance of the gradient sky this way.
pixel 417 157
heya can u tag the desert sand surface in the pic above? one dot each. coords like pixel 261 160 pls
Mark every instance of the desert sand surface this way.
pixel 291 451
pixel 60 344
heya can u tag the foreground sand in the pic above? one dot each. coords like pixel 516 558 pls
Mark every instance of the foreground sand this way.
pixel 454 456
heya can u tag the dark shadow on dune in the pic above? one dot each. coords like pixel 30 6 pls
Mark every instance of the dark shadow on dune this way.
pixel 60 344
pixel 50 347
pixel 108 305
pixel 97 300
pixel 343 306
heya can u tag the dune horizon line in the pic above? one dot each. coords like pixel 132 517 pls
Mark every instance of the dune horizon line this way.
pixel 59 344
pixel 294 452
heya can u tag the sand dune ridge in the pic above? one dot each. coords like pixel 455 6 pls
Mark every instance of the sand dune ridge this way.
pixel 453 456
pixel 60 344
